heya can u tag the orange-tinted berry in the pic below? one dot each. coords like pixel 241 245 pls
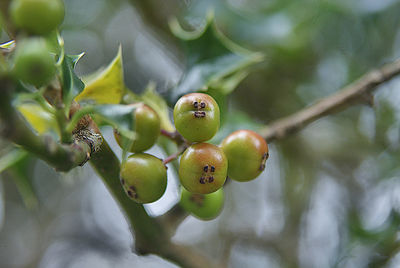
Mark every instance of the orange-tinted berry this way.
pixel 247 153
pixel 203 168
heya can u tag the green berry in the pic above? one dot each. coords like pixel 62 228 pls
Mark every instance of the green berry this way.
pixel 203 168
pixel 37 16
pixel 33 63
pixel 247 153
pixel 203 206
pixel 196 117
pixel 144 178
pixel 147 128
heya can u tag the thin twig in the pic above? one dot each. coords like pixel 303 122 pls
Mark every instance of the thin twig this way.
pixel 175 155
pixel 174 136
pixel 359 91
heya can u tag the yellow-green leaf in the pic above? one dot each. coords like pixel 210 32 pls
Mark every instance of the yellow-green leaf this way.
pixel 106 86
pixel 40 120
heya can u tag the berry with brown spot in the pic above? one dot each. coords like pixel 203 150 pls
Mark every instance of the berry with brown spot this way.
pixel 197 117
pixel 203 168
pixel 144 178
pixel 247 153
pixel 147 128
pixel 203 206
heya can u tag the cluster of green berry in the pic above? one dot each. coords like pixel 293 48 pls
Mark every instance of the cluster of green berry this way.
pixel 34 19
pixel 203 167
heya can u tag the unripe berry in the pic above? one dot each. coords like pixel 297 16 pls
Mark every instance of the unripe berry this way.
pixel 247 153
pixel 37 16
pixel 203 168
pixel 144 178
pixel 196 117
pixel 33 63
pixel 147 128
pixel 203 206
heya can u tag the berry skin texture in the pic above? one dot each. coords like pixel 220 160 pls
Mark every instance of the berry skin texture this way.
pixel 37 16
pixel 144 178
pixel 197 117
pixel 203 168
pixel 247 153
pixel 33 64
pixel 203 206
pixel 147 128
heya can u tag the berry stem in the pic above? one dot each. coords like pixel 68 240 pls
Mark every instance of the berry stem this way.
pixel 175 155
pixel 175 137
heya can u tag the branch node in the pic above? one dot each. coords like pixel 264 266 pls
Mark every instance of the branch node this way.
pixel 92 139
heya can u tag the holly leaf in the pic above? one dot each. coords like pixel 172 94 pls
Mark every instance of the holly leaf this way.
pixel 105 86
pixel 40 120
pixel 8 45
pixel 72 85
pixel 76 58
pixel 11 158
pixel 118 116
pixel 21 173
pixel 211 59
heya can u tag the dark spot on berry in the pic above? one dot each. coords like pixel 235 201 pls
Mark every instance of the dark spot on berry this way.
pixel 202 180
pixel 263 161
pixel 130 193
pixel 196 105
pixel 198 199
pixel 211 179
pixel 199 114
pixel 212 168
pixel 205 169
pixel 202 105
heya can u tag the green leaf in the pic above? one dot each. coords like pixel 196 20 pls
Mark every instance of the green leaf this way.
pixel 118 116
pixel 12 158
pixel 106 86
pixel 21 173
pixel 72 85
pixel 8 45
pixel 76 58
pixel 227 85
pixel 211 60
pixel 41 120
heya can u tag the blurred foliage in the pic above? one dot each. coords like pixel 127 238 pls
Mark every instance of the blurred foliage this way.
pixel 330 194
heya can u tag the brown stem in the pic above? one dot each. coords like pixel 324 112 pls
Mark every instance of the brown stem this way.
pixel 175 155
pixel 358 91
pixel 174 136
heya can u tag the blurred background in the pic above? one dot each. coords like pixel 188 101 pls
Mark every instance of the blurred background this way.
pixel 330 195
